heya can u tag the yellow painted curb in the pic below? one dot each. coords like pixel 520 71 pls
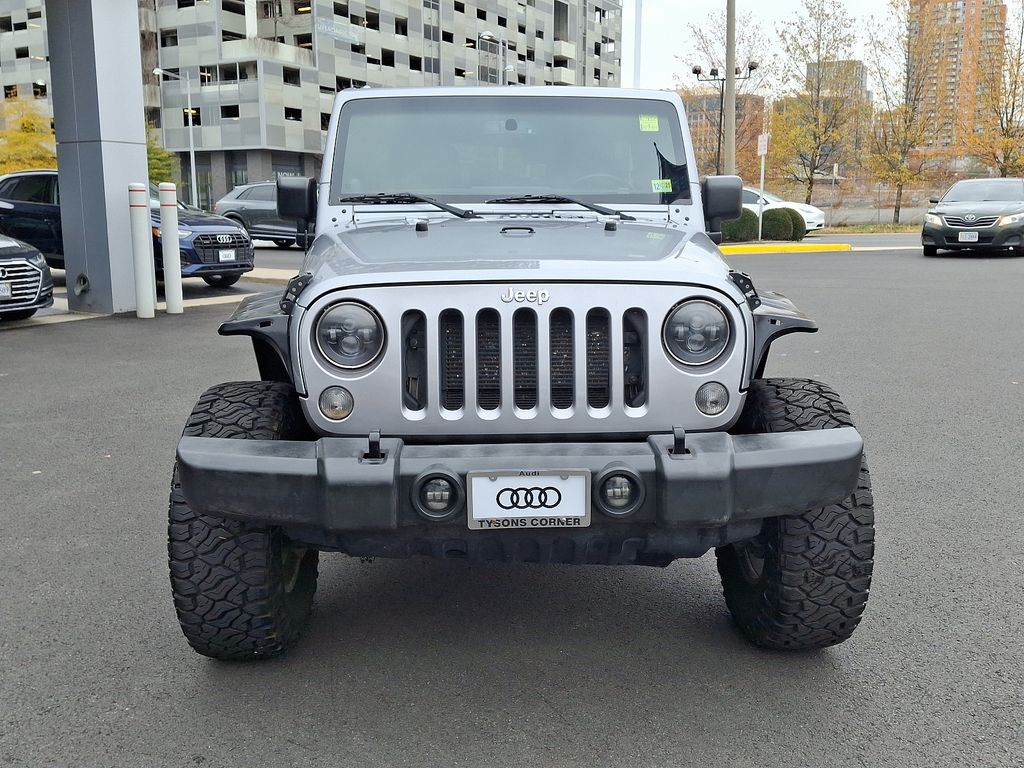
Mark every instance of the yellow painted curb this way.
pixel 787 248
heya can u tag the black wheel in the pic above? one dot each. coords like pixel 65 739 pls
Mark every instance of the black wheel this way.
pixel 221 281
pixel 930 250
pixel 20 314
pixel 240 591
pixel 284 243
pixel 803 582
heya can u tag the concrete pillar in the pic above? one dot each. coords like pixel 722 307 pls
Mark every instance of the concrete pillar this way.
pixel 96 76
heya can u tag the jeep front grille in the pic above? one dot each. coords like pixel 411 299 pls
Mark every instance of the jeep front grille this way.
pixel 563 351
pixel 25 280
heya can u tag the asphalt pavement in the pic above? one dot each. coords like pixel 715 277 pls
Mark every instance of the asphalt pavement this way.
pixel 427 663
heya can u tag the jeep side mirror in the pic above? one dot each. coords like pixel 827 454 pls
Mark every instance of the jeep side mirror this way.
pixel 723 200
pixel 933 200
pixel 296 199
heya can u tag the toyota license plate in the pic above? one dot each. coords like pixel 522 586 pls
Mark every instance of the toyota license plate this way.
pixel 5 290
pixel 968 237
pixel 529 498
pixel 227 255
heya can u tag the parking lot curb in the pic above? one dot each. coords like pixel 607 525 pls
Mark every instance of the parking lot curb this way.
pixel 787 248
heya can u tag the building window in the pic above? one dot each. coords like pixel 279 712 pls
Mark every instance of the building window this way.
pixel 6 25
pixel 341 9
pixel 431 5
pixel 447 37
pixel 481 14
pixel 387 58
pixel 10 91
pixel 35 13
pixel 373 60
pixel 293 113
pixel 227 36
pixel 186 3
pixel 415 63
pixel 167 72
pixel 291 76
pixel 197 116
pixel 270 9
pixel 300 7
pixel 325 120
pixel 502 21
pixel 39 90
pixel 460 72
pixel 522 29
pixel 401 26
pixel 20 25
pixel 21 53
pixel 304 40
pixel 229 112
pixel 343 83
pixel 359 48
pixel 460 7
pixel 372 19
pixel 233 6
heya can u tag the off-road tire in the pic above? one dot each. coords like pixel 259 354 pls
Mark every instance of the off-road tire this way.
pixel 221 281
pixel 241 591
pixel 815 568
pixel 930 250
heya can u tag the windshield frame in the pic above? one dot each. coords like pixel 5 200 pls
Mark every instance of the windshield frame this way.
pixel 684 192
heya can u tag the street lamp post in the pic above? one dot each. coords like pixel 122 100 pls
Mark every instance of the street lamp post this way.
pixel 490 37
pixel 191 139
pixel 713 76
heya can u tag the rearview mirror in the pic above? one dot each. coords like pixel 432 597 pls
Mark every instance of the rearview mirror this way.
pixel 296 199
pixel 933 200
pixel 723 200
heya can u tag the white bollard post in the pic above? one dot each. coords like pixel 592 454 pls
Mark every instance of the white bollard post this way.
pixel 170 246
pixel 142 243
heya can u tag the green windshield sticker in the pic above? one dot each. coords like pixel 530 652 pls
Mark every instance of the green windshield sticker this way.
pixel 661 185
pixel 649 123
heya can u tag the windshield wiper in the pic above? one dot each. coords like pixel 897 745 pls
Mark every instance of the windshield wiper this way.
pixel 384 198
pixel 563 199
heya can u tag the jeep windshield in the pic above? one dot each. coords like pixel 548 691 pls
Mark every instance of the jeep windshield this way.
pixel 464 149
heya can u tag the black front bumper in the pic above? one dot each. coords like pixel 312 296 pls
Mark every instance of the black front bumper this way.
pixel 332 494
pixel 989 238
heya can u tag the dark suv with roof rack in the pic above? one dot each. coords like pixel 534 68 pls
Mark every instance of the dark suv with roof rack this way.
pixel 254 206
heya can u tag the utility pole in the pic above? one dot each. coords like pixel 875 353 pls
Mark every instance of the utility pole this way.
pixel 729 112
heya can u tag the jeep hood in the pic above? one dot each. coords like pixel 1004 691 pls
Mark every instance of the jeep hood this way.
pixel 507 249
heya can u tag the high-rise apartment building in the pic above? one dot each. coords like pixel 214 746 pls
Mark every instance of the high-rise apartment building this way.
pixel 962 44
pixel 263 73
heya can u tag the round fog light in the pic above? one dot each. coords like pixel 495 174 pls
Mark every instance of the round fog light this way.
pixel 336 403
pixel 437 495
pixel 712 398
pixel 619 492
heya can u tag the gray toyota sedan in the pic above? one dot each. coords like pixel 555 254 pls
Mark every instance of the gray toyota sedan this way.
pixel 976 214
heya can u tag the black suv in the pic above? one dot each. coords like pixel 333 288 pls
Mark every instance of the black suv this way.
pixel 254 206
pixel 976 214
pixel 211 247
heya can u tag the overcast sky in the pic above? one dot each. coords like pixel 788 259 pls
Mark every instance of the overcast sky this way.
pixel 665 24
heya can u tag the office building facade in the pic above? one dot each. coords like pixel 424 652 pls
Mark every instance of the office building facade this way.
pixel 263 73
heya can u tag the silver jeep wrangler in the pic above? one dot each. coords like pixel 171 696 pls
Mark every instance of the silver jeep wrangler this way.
pixel 515 339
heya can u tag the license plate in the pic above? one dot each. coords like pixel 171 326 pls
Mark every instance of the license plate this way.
pixel 228 255
pixel 5 291
pixel 968 237
pixel 528 498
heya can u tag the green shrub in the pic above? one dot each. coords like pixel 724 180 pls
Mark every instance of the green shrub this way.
pixel 776 225
pixel 799 225
pixel 740 230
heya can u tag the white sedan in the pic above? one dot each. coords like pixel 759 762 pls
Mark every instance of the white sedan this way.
pixel 814 218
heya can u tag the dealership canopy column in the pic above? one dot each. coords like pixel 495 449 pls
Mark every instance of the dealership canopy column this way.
pixel 96 75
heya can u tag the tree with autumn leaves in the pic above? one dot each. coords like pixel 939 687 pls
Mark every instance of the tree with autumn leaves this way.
pixel 26 139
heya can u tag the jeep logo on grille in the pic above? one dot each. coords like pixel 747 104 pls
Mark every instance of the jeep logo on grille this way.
pixel 223 238
pixel 534 297
pixel 970 217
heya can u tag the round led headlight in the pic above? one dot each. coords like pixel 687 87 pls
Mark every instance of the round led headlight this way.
pixel 350 335
pixel 696 332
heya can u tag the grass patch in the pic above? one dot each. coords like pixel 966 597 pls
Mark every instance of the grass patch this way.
pixel 870 229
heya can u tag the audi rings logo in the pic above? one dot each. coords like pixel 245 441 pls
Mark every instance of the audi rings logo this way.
pixel 528 498
pixel 223 238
